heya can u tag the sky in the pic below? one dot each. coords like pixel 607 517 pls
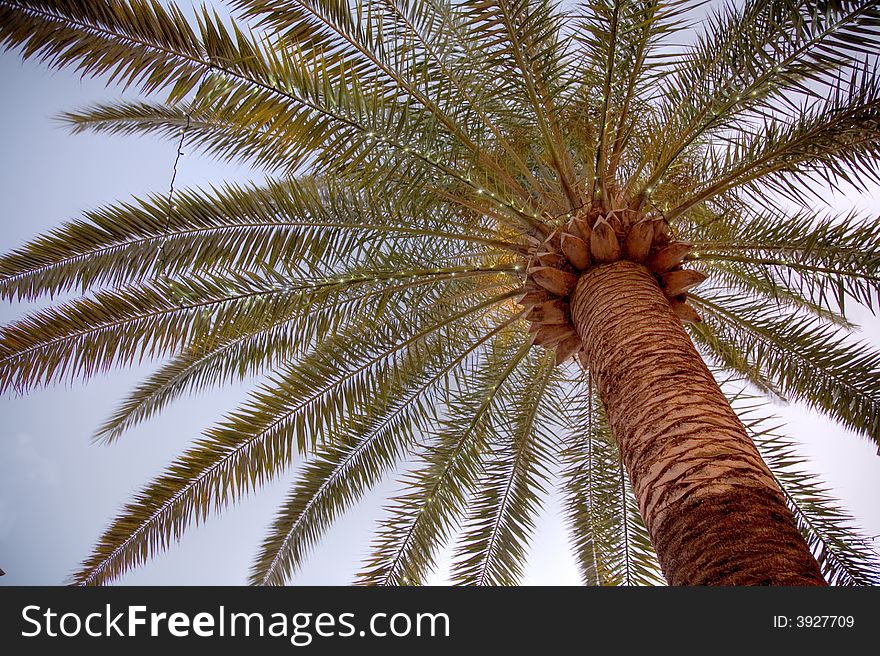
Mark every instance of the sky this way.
pixel 58 490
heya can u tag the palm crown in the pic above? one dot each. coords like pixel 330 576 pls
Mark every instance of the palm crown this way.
pixel 441 174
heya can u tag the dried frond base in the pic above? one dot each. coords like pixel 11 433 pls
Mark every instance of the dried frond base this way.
pixel 592 238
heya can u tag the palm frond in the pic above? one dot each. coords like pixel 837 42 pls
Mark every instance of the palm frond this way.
pixel 835 139
pixel 521 40
pixel 750 58
pixel 608 537
pixel 807 359
pixel 620 42
pixel 824 258
pixel 845 556
pixel 494 540
pixel 130 42
pixel 420 519
pixel 371 444
pixel 90 334
pixel 302 406
pixel 143 44
pixel 210 131
pixel 306 227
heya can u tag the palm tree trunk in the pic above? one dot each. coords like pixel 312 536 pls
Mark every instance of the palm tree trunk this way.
pixel 712 508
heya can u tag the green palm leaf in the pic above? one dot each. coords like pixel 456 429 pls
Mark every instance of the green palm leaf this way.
pixel 609 540
pixel 405 547
pixel 808 360
pixel 846 557
pixel 500 521
pixel 370 446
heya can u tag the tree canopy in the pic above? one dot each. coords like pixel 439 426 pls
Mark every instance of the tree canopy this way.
pixel 414 152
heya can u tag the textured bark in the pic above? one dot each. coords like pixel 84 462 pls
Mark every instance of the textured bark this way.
pixel 713 511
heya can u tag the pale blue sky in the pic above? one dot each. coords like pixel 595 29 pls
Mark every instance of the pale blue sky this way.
pixel 58 491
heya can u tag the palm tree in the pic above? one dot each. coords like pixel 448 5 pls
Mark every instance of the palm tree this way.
pixel 476 264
